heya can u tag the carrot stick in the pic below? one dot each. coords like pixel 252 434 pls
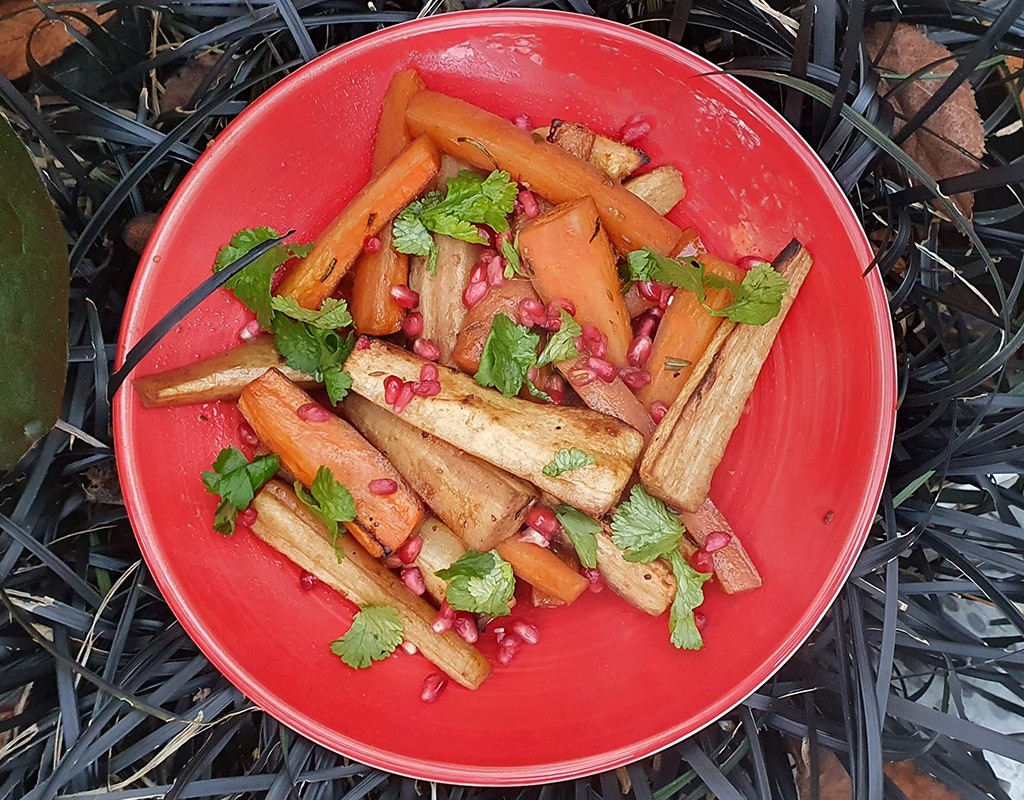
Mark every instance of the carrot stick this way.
pixel 684 334
pixel 540 567
pixel 733 567
pixel 221 377
pixel 373 309
pixel 476 326
pixel 483 139
pixel 567 254
pixel 315 277
pixel 383 522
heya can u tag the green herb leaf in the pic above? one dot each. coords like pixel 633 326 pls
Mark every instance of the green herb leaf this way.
pixel 509 353
pixel 582 532
pixel 567 461
pixel 481 583
pixel 676 363
pixel 540 394
pixel 296 343
pixel 689 595
pixel 642 265
pixel 643 528
pixel 562 344
pixel 316 351
pixel 376 633
pixel 337 382
pixel 510 251
pixel 252 284
pixel 236 480
pixel 758 299
pixel 328 499
pixel 410 235
pixel 332 314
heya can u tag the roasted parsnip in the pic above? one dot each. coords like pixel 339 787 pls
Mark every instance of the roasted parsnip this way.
pixel 290 528
pixel 441 549
pixel 515 435
pixel 662 188
pixel 649 587
pixel 614 159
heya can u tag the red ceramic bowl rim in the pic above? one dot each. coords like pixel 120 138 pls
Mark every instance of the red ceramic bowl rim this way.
pixel 416 768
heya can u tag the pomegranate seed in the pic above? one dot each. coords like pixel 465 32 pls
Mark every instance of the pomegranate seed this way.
pixel 581 377
pixel 428 372
pixel 410 648
pixel 649 290
pixel 635 378
pixel 639 351
pixel 474 293
pixel 432 687
pixel 532 374
pixel 657 312
pixel 392 388
pixel 531 312
pixel 426 388
pixel 635 129
pixel 703 561
pixel 247 517
pixel 405 396
pixel 404 296
pixel 529 203
pixel 311 412
pixel 496 271
pixel 425 348
pixel 594 577
pixel 527 632
pixel 410 549
pixel 307 580
pixel 556 383
pixel 479 272
pixel 716 540
pixel 552 322
pixel 658 410
pixel 749 262
pixel 564 303
pixel 700 620
pixel 508 648
pixel 412 325
pixel 445 618
pixel 466 627
pixel 544 520
pixel 665 299
pixel 249 331
pixel 522 121
pixel 500 634
pixel 371 244
pixel 363 343
pixel 646 323
pixel 247 434
pixel 532 536
pixel 557 395
pixel 413 579
pixel 393 562
pixel 485 234
pixel 383 486
pixel 596 342
pixel 605 370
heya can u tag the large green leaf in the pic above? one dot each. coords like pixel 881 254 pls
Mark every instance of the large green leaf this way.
pixel 33 303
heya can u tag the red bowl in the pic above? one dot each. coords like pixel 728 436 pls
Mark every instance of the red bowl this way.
pixel 800 482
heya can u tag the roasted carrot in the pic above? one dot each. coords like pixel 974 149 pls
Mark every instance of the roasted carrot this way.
pixel 374 310
pixel 733 567
pixel 684 334
pixel 566 254
pixel 614 399
pixel 483 140
pixel 221 377
pixel 315 277
pixel 543 569
pixel 476 325
pixel 270 404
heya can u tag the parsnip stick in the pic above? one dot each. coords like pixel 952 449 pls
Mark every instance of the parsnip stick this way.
pixel 662 188
pixel 649 587
pixel 515 435
pixel 315 277
pixel 614 159
pixel 383 521
pixel 479 502
pixel 220 377
pixel 691 440
pixel 290 528
pixel 441 549
pixel 733 567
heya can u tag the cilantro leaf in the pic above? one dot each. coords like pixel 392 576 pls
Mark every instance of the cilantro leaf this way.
pixel 375 633
pixel 481 583
pixel 252 284
pixel 296 344
pixel 755 301
pixel 567 461
pixel 410 235
pixel 236 480
pixel 643 528
pixel 510 252
pixel 332 314
pixel 316 351
pixel 509 353
pixel 328 499
pixel 562 344
pixel 540 394
pixel 337 382
pixel 689 595
pixel 582 532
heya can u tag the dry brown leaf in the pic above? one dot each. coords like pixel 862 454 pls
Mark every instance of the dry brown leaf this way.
pixel 957 120
pixel 183 83
pixel 915 784
pixel 138 229
pixel 17 20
